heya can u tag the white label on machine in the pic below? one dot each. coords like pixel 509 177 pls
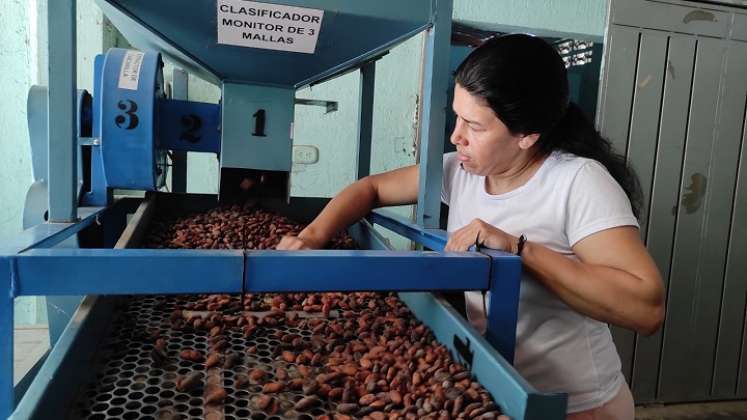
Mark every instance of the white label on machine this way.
pixel 129 74
pixel 268 26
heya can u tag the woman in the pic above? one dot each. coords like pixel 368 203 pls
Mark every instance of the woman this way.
pixel 529 163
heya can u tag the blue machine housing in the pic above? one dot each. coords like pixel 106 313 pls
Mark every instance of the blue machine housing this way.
pixel 131 87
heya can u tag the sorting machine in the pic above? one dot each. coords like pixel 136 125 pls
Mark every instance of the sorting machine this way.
pixel 82 239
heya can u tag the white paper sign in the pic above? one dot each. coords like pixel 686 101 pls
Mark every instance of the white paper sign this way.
pixel 268 26
pixel 129 74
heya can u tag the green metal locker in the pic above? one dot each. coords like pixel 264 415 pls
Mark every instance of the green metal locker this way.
pixel 672 98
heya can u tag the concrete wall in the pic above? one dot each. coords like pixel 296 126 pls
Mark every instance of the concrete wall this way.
pixel 15 79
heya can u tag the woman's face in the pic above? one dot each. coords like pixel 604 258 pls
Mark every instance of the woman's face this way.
pixel 484 144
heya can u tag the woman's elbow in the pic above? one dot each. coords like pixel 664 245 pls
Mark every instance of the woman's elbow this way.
pixel 653 320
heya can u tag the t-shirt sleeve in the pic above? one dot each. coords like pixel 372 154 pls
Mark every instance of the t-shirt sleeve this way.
pixel 596 202
pixel 450 162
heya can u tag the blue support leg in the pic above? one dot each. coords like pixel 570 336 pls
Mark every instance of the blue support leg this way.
pixel 503 306
pixel 7 293
pixel 63 130
pixel 433 115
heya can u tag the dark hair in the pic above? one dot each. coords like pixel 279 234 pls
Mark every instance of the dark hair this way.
pixel 524 80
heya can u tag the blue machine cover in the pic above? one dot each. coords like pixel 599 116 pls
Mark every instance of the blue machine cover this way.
pixel 132 82
pixel 188 33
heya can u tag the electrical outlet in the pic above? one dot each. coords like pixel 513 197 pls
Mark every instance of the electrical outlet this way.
pixel 305 154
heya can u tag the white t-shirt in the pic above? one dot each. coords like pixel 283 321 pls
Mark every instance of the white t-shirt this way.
pixel 567 199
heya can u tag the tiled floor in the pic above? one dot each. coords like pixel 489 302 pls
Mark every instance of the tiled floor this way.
pixel 732 410
pixel 30 343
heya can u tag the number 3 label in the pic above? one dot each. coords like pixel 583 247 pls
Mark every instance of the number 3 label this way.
pixel 127 119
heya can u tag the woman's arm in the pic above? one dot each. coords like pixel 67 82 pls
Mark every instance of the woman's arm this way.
pixel 392 188
pixel 613 280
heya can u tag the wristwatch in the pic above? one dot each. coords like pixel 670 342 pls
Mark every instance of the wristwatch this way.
pixel 520 244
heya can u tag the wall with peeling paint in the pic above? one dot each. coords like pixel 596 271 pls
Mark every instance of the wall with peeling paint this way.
pixel 15 78
pixel 23 60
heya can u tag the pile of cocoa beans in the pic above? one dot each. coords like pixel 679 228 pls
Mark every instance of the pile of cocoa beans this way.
pixel 366 357
pixel 230 227
pixel 372 362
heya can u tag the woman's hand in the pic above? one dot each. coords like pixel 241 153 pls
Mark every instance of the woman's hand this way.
pixel 484 234
pixel 307 239
pixel 292 243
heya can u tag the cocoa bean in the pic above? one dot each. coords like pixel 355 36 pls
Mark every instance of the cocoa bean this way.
pixel 189 382
pixel 241 381
pixel 367 399
pixel 191 355
pixel 347 408
pixel 231 360
pixel 215 395
pixel 272 388
pixel 213 359
pixel 256 374
pixel 264 401
pixel 305 403
pixel 288 356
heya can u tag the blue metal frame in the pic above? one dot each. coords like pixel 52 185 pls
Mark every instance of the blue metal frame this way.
pixel 34 264
pixel 50 271
pixel 364 270
pixel 7 295
pixel 50 393
pixel 516 397
pixel 503 284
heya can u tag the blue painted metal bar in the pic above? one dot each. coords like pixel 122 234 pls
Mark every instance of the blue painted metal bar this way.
pixel 433 115
pixel 367 237
pixel 516 397
pixel 69 363
pixel 286 271
pixel 179 91
pixel 129 271
pixel 503 308
pixel 365 118
pixel 23 385
pixel 63 132
pixel 342 68
pixel 434 239
pixel 7 293
pixel 47 235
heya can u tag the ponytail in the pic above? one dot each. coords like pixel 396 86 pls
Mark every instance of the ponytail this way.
pixel 575 134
